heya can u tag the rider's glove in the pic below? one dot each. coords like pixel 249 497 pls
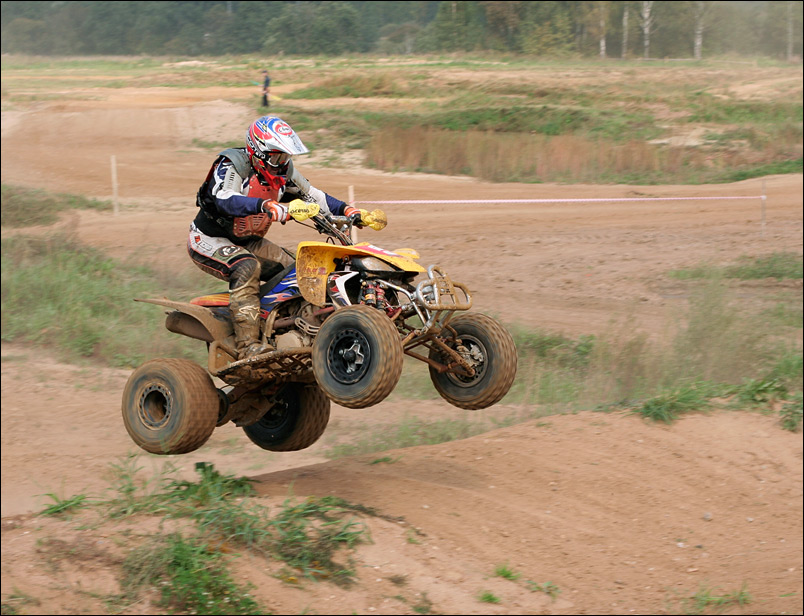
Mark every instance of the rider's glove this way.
pixel 277 211
pixel 355 215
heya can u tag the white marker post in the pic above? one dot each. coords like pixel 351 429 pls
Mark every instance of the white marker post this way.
pixel 114 185
pixel 764 199
pixel 351 201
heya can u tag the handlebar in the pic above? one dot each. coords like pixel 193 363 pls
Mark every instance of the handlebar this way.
pixel 338 227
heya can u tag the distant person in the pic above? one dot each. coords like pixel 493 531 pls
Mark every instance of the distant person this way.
pixel 266 88
pixel 245 191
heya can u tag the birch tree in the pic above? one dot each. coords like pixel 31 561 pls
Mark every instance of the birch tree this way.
pixel 624 50
pixel 701 9
pixel 601 14
pixel 790 4
pixel 596 20
pixel 646 22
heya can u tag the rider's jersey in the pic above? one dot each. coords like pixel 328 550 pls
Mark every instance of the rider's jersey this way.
pixel 229 195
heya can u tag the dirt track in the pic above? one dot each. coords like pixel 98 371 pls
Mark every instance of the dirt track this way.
pixel 623 516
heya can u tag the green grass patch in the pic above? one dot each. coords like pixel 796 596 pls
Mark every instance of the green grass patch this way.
pixel 190 575
pixel 18 600
pixel 61 506
pixel 410 432
pixel 505 571
pixel 488 597
pixel 791 414
pixel 716 348
pixel 667 406
pixel 79 302
pixel 306 535
pixel 746 172
pixel 547 588
pixel 705 599
pixel 212 487
pixel 384 460
pixel 761 391
pixel 24 207
pixel 356 85
pixel 706 108
pixel 543 120
pixel 781 265
pixel 777 265
pixel 788 312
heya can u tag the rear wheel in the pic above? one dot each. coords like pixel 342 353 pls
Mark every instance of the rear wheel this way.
pixel 170 406
pixel 357 357
pixel 296 418
pixel 489 349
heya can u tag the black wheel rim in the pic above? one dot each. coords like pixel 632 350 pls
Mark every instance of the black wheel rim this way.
pixel 155 407
pixel 283 414
pixel 349 356
pixel 476 356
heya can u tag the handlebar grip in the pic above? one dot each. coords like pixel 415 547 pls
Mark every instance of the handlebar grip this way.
pixel 301 210
pixel 375 219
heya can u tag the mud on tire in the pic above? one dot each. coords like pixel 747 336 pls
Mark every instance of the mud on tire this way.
pixel 170 406
pixel 296 419
pixel 491 348
pixel 357 357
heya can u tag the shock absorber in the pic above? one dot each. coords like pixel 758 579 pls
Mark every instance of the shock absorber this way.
pixel 368 294
pixel 381 301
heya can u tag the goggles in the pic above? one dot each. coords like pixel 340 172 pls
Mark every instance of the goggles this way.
pixel 276 159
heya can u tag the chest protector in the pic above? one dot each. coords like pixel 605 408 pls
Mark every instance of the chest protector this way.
pixel 254 225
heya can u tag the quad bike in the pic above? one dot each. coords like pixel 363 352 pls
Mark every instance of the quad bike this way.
pixel 339 321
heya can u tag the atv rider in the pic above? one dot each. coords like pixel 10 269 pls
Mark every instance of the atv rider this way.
pixel 246 190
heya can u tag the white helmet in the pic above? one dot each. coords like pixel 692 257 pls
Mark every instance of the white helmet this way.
pixel 270 142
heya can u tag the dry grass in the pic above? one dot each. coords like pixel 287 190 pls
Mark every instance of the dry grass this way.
pixel 504 157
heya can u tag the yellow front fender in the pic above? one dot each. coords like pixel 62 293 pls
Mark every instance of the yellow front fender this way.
pixel 315 261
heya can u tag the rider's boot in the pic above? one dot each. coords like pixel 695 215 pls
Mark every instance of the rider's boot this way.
pixel 245 308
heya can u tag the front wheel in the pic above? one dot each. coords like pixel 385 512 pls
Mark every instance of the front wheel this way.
pixel 296 418
pixel 170 406
pixel 357 356
pixel 489 349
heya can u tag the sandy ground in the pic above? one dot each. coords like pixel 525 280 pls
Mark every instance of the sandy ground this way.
pixel 621 515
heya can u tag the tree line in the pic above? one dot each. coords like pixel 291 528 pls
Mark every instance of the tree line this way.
pixel 650 29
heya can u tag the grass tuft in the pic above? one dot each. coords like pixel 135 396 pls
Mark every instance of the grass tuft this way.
pixel 791 414
pixel 667 406
pixel 190 576
pixel 61 506
pixel 211 488
pixel 547 588
pixel 504 571
pixel 705 599
pixel 488 597
pixel 761 391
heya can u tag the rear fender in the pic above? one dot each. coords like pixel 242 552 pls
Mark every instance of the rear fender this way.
pixel 193 321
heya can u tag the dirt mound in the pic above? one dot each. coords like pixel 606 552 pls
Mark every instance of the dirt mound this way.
pixel 619 515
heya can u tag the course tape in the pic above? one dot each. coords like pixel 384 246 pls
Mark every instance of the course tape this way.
pixel 486 201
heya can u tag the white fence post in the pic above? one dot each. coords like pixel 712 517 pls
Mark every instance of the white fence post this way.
pixel 114 185
pixel 351 202
pixel 764 199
